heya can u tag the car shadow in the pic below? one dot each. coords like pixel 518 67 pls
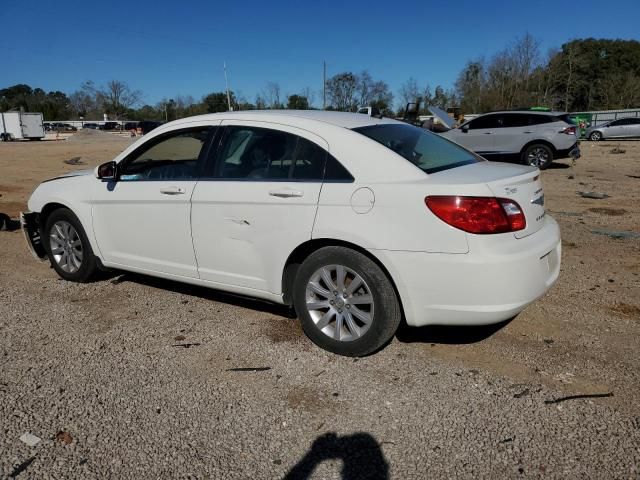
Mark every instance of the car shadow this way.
pixel 360 453
pixel 558 166
pixel 200 292
pixel 448 334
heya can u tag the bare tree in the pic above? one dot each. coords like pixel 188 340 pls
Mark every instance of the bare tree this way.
pixel 341 90
pixel 309 94
pixel 272 95
pixel 409 92
pixel 118 97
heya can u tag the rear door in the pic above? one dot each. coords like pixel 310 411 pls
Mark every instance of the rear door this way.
pixel 258 203
pixel 32 126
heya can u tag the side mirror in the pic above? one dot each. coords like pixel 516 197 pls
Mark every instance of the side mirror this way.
pixel 106 171
pixel 464 128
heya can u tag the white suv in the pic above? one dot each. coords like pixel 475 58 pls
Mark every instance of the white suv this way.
pixel 536 138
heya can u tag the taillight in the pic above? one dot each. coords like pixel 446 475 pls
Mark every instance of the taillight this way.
pixel 569 130
pixel 478 214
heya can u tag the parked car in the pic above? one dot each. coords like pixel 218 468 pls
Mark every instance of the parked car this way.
pixel 621 128
pixel 62 127
pixel 531 137
pixel 356 221
pixel 92 126
pixel 110 126
pixel 147 125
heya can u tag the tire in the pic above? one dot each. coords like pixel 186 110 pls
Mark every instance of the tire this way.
pixel 595 136
pixel 68 247
pixel 369 313
pixel 538 155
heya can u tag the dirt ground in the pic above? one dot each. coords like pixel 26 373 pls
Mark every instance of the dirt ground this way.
pixel 580 339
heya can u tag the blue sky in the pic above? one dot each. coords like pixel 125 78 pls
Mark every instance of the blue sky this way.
pixel 167 48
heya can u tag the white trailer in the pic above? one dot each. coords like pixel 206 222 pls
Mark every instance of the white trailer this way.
pixel 21 125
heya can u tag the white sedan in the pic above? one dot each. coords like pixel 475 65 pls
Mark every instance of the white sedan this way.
pixel 357 222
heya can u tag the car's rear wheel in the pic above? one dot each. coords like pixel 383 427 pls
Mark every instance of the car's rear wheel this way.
pixel 346 303
pixel 68 248
pixel 595 136
pixel 538 155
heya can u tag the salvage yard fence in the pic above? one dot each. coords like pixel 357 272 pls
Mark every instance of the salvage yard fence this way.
pixel 603 116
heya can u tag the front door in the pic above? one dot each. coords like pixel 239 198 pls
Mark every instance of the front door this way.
pixel 142 221
pixel 259 204
pixel 479 134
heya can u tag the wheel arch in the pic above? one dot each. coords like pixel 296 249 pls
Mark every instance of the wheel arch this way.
pixel 302 251
pixel 544 142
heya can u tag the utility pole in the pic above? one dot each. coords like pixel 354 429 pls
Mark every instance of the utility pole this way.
pixel 226 80
pixel 324 85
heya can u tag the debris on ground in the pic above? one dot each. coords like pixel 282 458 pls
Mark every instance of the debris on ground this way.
pixel 185 345
pixel 248 369
pixel 594 195
pixel 64 437
pixel 521 394
pixel 617 150
pixel 22 467
pixel 74 161
pixel 616 235
pixel 614 212
pixel 30 439
pixel 577 397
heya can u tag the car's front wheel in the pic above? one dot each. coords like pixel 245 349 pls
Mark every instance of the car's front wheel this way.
pixel 67 247
pixel 538 155
pixel 346 303
pixel 595 136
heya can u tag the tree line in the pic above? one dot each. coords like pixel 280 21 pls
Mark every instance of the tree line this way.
pixel 586 74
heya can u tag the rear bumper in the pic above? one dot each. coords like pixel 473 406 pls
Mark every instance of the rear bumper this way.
pixel 573 152
pixel 484 286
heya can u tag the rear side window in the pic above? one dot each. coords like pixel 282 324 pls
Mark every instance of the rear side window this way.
pixel 427 151
pixel 254 153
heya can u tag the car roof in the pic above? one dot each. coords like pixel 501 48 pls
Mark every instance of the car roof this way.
pixel 532 112
pixel 339 119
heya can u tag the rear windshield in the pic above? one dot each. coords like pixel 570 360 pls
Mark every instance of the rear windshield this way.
pixel 427 151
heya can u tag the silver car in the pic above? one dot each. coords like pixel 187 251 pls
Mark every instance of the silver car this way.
pixel 621 128
pixel 531 137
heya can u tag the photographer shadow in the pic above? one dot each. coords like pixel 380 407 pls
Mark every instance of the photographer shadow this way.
pixel 361 456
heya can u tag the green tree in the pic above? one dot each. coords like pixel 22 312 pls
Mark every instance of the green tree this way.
pixel 297 102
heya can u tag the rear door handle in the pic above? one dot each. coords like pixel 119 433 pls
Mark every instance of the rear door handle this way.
pixel 173 191
pixel 286 193
pixel 488 133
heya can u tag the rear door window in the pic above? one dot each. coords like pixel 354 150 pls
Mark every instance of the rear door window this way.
pixel 427 151
pixel 254 153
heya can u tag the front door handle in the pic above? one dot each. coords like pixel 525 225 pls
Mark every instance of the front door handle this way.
pixel 173 191
pixel 286 193
pixel 488 133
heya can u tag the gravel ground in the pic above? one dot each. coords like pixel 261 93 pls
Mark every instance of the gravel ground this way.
pixel 136 377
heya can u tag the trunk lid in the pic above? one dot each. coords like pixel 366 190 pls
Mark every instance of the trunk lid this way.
pixel 505 180
pixel 526 190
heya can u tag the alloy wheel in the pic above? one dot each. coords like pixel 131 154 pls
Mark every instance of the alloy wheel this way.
pixel 66 246
pixel 340 302
pixel 538 156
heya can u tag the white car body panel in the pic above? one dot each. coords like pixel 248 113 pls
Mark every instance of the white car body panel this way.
pixel 252 230
pixel 237 237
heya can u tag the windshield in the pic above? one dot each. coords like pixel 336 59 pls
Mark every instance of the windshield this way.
pixel 427 151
